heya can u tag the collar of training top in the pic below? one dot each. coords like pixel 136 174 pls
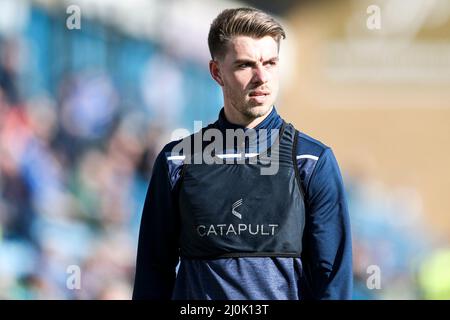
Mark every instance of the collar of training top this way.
pixel 272 121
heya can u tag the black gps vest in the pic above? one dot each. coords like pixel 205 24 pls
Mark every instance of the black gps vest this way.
pixel 233 210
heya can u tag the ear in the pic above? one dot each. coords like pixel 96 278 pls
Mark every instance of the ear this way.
pixel 215 72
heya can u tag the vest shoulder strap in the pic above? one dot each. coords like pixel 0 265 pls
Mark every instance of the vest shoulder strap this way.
pixel 294 161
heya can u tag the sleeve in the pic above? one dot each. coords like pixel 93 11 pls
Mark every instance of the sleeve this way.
pixel 157 254
pixel 327 247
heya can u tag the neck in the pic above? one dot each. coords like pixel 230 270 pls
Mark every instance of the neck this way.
pixel 240 119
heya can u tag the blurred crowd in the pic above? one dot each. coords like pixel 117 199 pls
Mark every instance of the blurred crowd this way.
pixel 395 251
pixel 73 176
pixel 82 118
pixel 78 137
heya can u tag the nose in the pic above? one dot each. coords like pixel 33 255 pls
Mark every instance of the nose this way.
pixel 260 74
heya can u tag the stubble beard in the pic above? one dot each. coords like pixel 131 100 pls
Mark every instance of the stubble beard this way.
pixel 251 111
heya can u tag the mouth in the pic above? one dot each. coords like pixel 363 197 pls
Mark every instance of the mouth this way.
pixel 259 97
pixel 259 93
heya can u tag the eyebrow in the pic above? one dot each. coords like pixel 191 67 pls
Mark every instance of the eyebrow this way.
pixel 240 61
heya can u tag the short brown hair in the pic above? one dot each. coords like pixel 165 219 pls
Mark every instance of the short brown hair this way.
pixel 241 22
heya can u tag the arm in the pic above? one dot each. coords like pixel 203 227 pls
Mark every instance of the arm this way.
pixel 157 254
pixel 327 257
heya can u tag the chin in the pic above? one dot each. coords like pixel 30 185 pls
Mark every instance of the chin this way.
pixel 259 110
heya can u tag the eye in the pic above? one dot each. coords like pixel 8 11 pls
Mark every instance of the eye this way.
pixel 244 65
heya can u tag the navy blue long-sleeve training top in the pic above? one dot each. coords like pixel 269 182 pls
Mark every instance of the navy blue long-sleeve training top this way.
pixel 324 270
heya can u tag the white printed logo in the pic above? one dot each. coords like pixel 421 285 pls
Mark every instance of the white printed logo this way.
pixel 374 280
pixel 374 20
pixel 73 281
pixel 236 229
pixel 74 20
pixel 233 209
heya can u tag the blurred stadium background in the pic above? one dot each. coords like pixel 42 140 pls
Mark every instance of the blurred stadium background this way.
pixel 84 112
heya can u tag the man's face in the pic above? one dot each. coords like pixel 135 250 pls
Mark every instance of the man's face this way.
pixel 248 74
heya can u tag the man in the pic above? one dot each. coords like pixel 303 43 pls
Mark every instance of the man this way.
pixel 240 233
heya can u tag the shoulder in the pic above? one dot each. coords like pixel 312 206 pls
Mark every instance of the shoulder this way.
pixel 173 155
pixel 169 163
pixel 314 158
pixel 177 150
pixel 309 146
